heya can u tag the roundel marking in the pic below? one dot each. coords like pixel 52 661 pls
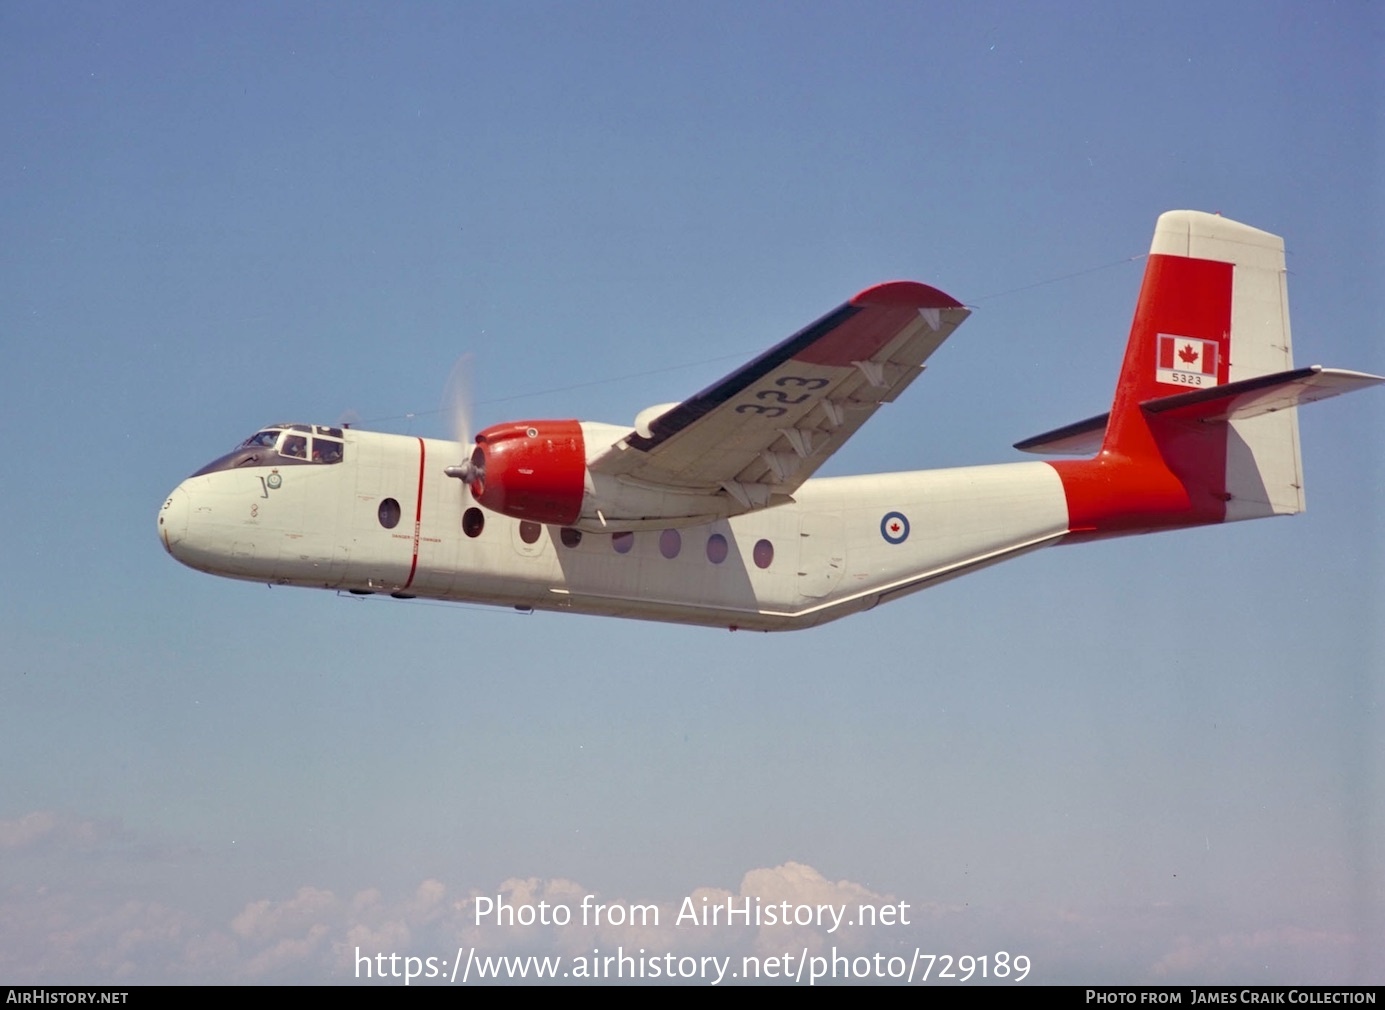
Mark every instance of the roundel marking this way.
pixel 895 527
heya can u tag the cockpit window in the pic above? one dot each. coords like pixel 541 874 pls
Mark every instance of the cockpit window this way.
pixel 312 443
pixel 308 444
pixel 265 439
pixel 326 450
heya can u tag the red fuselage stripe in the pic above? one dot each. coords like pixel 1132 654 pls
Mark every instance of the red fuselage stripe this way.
pixel 418 516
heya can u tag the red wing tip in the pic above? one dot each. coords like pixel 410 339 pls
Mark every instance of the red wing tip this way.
pixel 906 294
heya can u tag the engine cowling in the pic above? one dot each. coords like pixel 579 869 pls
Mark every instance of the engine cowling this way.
pixel 533 470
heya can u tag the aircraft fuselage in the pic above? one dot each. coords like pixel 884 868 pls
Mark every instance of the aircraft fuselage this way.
pixel 384 518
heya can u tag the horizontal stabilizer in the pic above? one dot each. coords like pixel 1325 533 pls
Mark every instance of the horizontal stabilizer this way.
pixel 1263 394
pixel 1082 438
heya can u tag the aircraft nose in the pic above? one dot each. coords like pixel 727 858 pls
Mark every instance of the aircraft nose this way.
pixel 173 520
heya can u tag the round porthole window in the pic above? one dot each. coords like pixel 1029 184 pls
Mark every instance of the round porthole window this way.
pixel 473 522
pixel 670 543
pixel 529 532
pixel 388 513
pixel 716 548
pixel 764 553
pixel 622 542
pixel 570 536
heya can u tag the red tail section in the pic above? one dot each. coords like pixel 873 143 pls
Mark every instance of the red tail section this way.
pixel 1180 340
pixel 1211 309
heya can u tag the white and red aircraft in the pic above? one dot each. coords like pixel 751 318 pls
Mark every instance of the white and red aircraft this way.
pixel 704 513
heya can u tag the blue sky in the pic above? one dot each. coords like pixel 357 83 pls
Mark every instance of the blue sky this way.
pixel 1154 760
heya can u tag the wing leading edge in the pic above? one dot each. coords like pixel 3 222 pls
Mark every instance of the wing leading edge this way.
pixel 760 432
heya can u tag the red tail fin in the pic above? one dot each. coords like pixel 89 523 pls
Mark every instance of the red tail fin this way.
pixel 1212 310
pixel 1180 340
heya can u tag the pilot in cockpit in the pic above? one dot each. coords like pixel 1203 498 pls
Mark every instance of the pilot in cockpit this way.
pixel 265 439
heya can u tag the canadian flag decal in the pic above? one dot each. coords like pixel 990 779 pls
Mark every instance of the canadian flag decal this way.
pixel 1187 361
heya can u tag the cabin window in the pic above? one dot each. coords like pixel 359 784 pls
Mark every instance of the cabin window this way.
pixel 763 554
pixel 529 531
pixel 716 548
pixel 670 543
pixel 473 522
pixel 389 513
pixel 622 542
pixel 570 536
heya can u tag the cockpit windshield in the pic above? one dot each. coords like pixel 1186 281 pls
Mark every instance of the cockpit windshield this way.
pixel 282 444
pixel 311 443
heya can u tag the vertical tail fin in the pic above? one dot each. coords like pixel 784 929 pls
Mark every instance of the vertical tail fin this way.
pixel 1204 426
pixel 1213 310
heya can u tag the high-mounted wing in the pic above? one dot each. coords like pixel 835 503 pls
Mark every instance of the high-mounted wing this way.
pixel 761 431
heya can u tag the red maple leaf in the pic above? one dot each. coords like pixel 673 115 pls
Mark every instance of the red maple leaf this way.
pixel 1188 355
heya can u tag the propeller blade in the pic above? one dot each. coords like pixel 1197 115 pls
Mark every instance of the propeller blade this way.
pixel 459 403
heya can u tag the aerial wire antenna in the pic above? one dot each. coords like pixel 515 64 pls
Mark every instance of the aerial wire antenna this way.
pixel 411 416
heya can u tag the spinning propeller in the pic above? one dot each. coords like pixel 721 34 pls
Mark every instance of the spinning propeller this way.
pixel 472 470
pixel 528 470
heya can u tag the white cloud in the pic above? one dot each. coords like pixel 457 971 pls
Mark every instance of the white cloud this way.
pixel 265 919
pixel 49 830
pixel 1290 955
pixel 80 927
pixel 315 935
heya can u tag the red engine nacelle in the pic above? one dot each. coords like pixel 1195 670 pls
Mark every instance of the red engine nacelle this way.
pixel 532 470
